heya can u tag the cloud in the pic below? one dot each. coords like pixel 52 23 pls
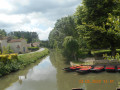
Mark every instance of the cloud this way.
pixel 34 15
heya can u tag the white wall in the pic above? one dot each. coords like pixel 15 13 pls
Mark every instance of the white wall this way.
pixel 3 44
pixel 22 44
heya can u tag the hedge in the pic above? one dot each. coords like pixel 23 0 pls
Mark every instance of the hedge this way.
pixel 33 48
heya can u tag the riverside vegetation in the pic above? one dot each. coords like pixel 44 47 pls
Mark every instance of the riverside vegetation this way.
pixel 13 62
pixel 94 26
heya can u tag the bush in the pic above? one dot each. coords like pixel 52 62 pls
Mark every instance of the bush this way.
pixel 33 48
pixel 8 57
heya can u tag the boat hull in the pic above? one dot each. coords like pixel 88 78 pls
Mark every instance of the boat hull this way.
pixel 97 70
pixel 70 70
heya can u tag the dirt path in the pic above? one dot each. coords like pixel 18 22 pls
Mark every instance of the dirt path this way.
pixel 41 49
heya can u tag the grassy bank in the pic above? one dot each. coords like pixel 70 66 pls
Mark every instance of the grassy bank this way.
pixel 20 62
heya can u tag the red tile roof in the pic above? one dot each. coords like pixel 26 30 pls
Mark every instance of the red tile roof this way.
pixel 15 40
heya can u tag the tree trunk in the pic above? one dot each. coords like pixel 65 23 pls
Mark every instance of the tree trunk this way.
pixel 113 51
pixel 89 52
pixel 74 55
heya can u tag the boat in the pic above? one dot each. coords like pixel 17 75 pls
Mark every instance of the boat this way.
pixel 118 89
pixel 110 68
pixel 84 69
pixel 118 68
pixel 77 89
pixel 97 68
pixel 72 68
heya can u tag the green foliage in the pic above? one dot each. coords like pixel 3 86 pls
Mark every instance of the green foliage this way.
pixel 7 50
pixel 100 22
pixel 33 48
pixel 96 11
pixel 3 32
pixel 70 46
pixel 13 63
pixel 116 57
pixel 63 27
pixel 95 25
pixel 44 43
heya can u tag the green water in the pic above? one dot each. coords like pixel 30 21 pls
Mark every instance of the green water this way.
pixel 46 74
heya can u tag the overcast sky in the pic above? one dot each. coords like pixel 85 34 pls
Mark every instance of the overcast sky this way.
pixel 34 15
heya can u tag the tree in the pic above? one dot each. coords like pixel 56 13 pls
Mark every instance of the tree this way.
pixel 94 16
pixel 113 32
pixel 96 11
pixel 63 27
pixel 3 32
pixel 70 47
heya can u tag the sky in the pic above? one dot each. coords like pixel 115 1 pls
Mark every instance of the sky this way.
pixel 34 15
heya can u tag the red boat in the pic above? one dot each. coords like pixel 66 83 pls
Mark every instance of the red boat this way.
pixel 84 69
pixel 97 68
pixel 73 68
pixel 118 68
pixel 110 68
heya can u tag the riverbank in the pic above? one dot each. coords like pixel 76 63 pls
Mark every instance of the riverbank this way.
pixel 21 62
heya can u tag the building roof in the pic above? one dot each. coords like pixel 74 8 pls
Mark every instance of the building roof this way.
pixel 3 38
pixel 36 44
pixel 15 40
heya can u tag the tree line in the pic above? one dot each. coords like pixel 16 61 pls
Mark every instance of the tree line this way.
pixel 31 37
pixel 94 25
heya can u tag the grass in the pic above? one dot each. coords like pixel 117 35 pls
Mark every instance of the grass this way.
pixel 26 59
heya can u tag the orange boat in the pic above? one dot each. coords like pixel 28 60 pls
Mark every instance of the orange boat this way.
pixel 84 69
pixel 72 68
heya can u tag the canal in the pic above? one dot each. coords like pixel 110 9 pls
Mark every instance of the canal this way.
pixel 46 74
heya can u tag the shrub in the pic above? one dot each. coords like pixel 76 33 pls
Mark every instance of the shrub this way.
pixel 8 57
pixel 33 48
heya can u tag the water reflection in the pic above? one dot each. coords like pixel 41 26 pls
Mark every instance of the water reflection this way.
pixel 40 77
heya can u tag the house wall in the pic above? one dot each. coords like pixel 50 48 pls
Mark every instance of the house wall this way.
pixel 23 46
pixel 14 46
pixel 3 44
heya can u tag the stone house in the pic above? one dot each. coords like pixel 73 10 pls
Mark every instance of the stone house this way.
pixel 17 45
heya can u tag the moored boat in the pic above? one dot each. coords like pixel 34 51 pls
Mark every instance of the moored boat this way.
pixel 77 89
pixel 72 68
pixel 110 68
pixel 118 68
pixel 84 69
pixel 97 68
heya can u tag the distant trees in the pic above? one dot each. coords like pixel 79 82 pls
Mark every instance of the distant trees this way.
pixel 3 32
pixel 29 36
pixel 44 43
